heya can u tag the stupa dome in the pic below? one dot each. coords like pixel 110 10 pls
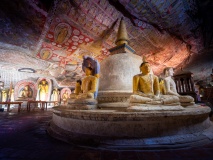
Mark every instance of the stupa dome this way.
pixel 117 72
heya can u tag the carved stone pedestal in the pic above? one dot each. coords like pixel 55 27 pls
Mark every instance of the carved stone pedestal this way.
pixel 111 129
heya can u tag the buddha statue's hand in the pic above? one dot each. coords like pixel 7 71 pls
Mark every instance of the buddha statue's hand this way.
pixel 82 95
pixel 149 95
pixel 156 97
pixel 90 95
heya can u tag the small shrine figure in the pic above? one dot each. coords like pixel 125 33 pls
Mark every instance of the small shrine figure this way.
pixel 43 90
pixel 26 92
pixel 65 97
pixel 55 95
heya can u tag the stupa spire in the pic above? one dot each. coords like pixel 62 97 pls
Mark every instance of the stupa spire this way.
pixel 122 35
pixel 122 40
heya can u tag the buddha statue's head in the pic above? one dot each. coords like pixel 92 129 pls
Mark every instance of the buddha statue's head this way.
pixel 88 71
pixel 43 81
pixel 27 87
pixel 168 71
pixel 145 68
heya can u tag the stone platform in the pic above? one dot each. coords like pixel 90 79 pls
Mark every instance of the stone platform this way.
pixel 133 130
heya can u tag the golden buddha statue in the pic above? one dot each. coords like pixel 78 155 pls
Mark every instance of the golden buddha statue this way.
pixel 4 96
pixel 146 89
pixel 84 96
pixel 170 86
pixel 89 85
pixel 12 99
pixel 43 90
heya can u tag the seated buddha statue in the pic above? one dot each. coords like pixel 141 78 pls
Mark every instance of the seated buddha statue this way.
pixel 146 88
pixel 86 89
pixel 26 92
pixel 88 86
pixel 170 86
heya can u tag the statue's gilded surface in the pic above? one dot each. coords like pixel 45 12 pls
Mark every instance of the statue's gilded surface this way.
pixel 43 90
pixel 146 88
pixel 88 87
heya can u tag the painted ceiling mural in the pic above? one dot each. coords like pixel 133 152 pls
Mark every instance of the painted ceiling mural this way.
pixel 54 35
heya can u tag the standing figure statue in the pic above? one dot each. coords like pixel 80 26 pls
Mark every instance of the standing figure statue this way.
pixel 55 95
pixel 43 90
pixel 4 96
pixel 12 98
pixel 170 86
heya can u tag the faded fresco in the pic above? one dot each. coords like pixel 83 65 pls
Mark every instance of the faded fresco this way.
pixel 60 32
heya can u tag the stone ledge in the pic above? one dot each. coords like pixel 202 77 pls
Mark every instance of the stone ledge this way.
pixel 146 107
pixel 152 143
pixel 110 115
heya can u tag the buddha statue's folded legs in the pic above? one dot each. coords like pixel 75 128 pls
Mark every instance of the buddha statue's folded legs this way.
pixel 162 99
pixel 170 88
pixel 186 99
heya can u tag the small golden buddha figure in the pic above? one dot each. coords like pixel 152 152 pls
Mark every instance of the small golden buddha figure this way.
pixel 4 96
pixel 12 99
pixel 146 89
pixel 65 96
pixel 77 90
pixel 162 86
pixel 170 86
pixel 78 87
pixel 26 92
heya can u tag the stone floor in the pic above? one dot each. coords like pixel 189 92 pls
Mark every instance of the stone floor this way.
pixel 23 137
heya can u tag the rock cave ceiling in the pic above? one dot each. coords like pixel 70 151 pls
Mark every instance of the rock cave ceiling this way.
pixel 51 36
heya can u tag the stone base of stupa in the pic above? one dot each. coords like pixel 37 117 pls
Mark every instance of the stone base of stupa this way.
pixel 115 100
pixel 112 129
pixel 79 104
pixel 149 107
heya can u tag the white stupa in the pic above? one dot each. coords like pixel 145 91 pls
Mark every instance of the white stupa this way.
pixel 117 72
